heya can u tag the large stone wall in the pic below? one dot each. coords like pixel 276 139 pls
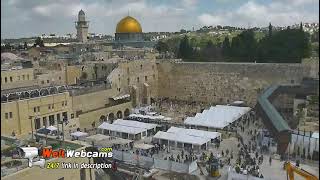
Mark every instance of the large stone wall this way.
pixel 223 82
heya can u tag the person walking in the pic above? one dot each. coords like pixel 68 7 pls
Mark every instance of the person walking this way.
pixel 270 160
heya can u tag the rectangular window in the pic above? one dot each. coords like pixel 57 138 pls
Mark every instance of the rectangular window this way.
pixel 51 120
pixel 52 106
pixel 66 103
pixel 10 114
pixel 72 116
pixel 6 115
pixel 27 76
pixel 146 78
pixel 154 77
pixel 48 81
pixel 58 117
pixel 59 78
pixel 23 77
pixel 35 109
pixel 38 108
pixel 65 116
pixel 5 79
pixel 49 106
pixel 10 79
pixel 42 82
pixel 137 79
pixel 44 121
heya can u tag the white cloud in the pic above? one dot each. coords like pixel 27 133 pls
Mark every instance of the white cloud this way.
pixel 43 16
pixel 278 12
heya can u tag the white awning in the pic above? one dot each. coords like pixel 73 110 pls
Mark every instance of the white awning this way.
pixel 218 116
pixel 136 124
pixel 194 132
pixel 121 128
pixel 315 135
pixel 121 97
pixel 97 137
pixel 167 119
pixel 79 134
pixel 143 146
pixel 52 128
pixel 183 138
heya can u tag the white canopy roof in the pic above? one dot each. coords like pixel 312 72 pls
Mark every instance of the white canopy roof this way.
pixel 79 134
pixel 183 138
pixel 194 132
pixel 167 119
pixel 121 128
pixel 218 116
pixel 121 97
pixel 315 135
pixel 97 137
pixel 143 146
pixel 135 124
pixel 160 117
pixel 52 128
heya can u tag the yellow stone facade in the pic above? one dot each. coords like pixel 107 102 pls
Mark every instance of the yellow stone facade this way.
pixel 17 78
pixel 15 115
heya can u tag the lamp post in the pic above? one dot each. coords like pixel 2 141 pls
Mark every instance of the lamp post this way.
pixel 30 117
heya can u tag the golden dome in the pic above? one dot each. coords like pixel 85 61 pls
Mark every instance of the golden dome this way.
pixel 128 25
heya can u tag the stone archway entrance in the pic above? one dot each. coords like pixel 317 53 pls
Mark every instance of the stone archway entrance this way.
pixel 111 117
pixel 119 114
pixel 126 113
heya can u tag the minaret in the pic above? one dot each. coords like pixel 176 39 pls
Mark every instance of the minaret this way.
pixel 82 27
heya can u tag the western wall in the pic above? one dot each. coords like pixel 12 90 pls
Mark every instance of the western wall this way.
pixel 221 83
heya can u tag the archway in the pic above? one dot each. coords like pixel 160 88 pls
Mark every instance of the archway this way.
pixel 126 112
pixel 119 114
pixel 111 117
pixel 44 92
pixel 102 118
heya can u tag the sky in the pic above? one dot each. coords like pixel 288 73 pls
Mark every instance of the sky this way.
pixel 26 18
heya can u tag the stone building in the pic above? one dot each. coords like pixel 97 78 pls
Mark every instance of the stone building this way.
pixel 15 78
pixel 82 27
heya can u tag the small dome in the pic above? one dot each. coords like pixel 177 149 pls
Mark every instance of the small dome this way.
pixel 128 25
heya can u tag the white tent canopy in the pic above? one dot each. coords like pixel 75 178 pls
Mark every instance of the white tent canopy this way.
pixel 143 146
pixel 121 128
pixel 79 134
pixel 218 116
pixel 315 135
pixel 156 117
pixel 97 137
pixel 137 124
pixel 183 138
pixel 195 132
pixel 52 128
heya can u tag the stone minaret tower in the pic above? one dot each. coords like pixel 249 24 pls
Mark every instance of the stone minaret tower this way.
pixel 82 27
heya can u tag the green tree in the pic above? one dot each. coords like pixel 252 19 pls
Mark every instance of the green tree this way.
pixel 183 31
pixel 243 46
pixel 185 50
pixel 270 30
pixel 25 46
pixel 39 42
pixel 226 47
pixel 162 47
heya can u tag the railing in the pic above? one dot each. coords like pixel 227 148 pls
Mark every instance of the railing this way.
pixel 148 162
